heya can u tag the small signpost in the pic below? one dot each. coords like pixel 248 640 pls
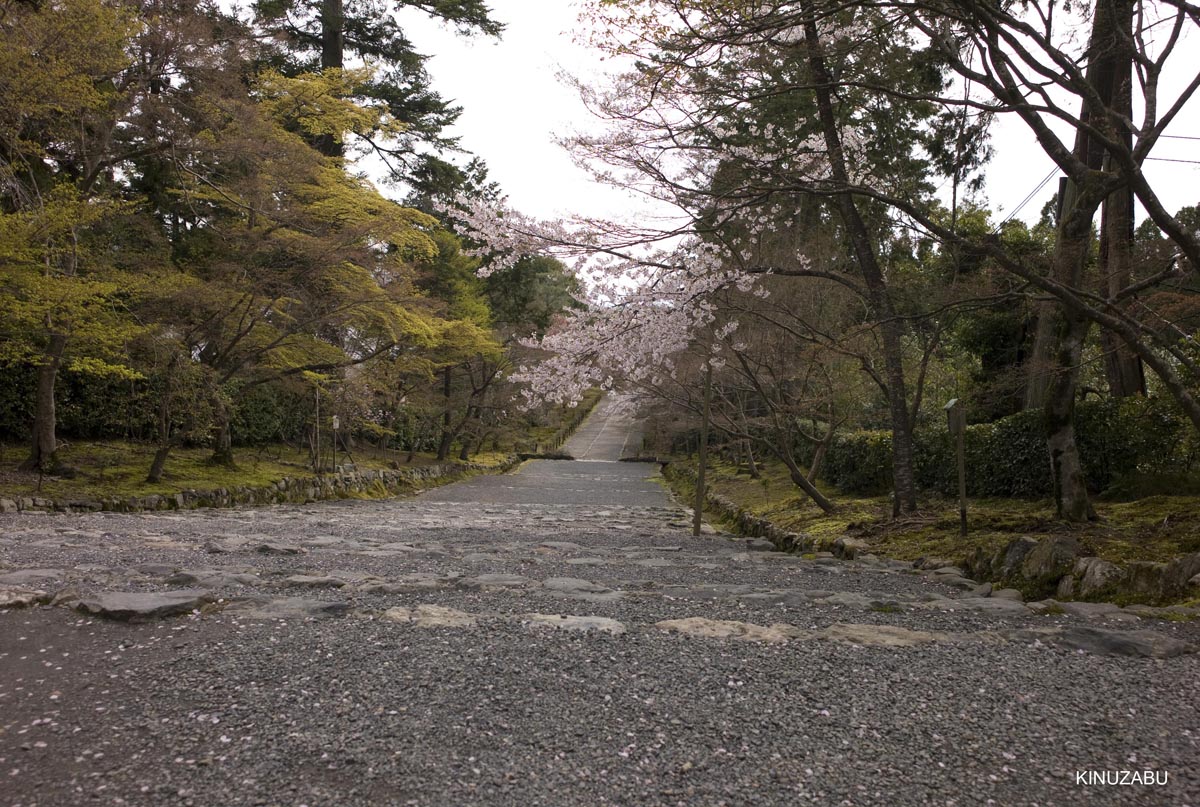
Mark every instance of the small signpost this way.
pixel 956 420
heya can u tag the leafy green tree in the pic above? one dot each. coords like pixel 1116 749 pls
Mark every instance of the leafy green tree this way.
pixel 467 356
pixel 526 298
pixel 287 265
pixel 318 35
pixel 70 89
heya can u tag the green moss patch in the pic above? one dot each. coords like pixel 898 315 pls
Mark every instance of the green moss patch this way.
pixel 1155 528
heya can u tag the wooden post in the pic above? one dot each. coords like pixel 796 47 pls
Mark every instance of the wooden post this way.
pixel 957 422
pixel 703 466
pixel 317 433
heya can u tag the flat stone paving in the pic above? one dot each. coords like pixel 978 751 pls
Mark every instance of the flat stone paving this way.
pixel 553 636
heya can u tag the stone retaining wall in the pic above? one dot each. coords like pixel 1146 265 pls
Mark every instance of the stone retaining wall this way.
pixel 1053 566
pixel 295 489
pixel 1056 566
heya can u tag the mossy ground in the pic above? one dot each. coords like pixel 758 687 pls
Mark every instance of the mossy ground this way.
pixel 118 469
pixel 1156 528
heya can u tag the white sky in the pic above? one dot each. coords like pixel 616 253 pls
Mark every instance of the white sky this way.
pixel 514 106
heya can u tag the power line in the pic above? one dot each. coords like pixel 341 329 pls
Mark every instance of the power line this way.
pixel 1028 198
pixel 1171 160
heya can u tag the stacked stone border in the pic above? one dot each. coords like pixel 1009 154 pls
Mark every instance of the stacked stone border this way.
pixel 746 523
pixel 1050 567
pixel 346 484
pixel 372 484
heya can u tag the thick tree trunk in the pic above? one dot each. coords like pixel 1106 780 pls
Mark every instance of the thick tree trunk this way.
pixel 44 447
pixel 1122 367
pixel 333 45
pixel 1070 488
pixel 1109 72
pixel 159 463
pixel 890 328
pixel 1077 209
pixel 1070 328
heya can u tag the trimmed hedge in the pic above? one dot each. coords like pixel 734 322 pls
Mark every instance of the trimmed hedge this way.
pixel 97 408
pixel 1008 457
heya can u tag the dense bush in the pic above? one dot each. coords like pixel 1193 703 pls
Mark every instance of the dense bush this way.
pixel 91 407
pixel 269 413
pixel 1008 457
pixel 88 406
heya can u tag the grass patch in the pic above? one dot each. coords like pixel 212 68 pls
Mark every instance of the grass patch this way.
pixel 118 469
pixel 1155 528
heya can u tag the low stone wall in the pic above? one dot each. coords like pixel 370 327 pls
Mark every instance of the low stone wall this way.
pixel 1056 566
pixel 1053 566
pixel 295 489
pixel 746 523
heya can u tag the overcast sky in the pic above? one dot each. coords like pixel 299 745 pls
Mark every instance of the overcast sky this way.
pixel 514 106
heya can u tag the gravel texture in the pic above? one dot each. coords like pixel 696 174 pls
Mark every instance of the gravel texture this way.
pixel 498 642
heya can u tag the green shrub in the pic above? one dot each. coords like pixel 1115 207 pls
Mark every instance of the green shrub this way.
pixel 267 413
pixel 859 462
pixel 1008 457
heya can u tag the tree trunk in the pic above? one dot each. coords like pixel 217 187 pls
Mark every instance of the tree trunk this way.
pixel 1122 367
pixel 1109 74
pixel 473 414
pixel 447 418
pixel 159 463
pixel 333 45
pixel 222 434
pixel 412 451
pixel 799 480
pixel 1070 328
pixel 43 450
pixel 1077 208
pixel 1070 488
pixel 822 449
pixel 164 430
pixel 890 328
pixel 751 465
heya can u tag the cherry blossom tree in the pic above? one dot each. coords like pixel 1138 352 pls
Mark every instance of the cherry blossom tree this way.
pixel 757 120
pixel 725 119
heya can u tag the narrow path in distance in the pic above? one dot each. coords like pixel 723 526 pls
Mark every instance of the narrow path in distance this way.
pixel 553 636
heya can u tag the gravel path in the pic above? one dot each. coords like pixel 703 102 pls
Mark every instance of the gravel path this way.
pixel 554 636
